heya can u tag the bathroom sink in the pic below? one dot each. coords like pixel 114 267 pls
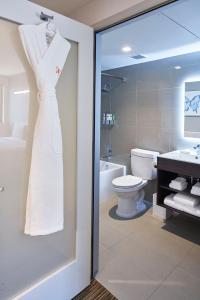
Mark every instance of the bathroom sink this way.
pixel 189 155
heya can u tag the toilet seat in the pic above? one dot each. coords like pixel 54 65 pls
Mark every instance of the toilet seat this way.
pixel 128 181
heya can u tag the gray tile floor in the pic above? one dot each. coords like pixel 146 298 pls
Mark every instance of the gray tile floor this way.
pixel 144 258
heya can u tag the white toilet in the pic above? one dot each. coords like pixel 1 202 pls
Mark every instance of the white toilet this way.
pixel 129 189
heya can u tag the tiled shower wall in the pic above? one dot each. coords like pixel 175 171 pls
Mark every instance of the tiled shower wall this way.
pixel 149 106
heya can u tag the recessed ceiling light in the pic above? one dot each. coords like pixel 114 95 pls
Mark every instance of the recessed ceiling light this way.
pixel 177 67
pixel 126 49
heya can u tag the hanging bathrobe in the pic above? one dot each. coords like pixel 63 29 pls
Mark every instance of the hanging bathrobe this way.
pixel 44 209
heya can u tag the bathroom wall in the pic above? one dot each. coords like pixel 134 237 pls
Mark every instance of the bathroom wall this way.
pixel 149 106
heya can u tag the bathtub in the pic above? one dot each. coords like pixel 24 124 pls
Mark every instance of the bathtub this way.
pixel 109 171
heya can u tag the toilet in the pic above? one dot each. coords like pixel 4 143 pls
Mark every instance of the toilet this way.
pixel 129 188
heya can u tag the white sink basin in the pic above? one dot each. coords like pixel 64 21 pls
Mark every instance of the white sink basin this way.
pixel 189 155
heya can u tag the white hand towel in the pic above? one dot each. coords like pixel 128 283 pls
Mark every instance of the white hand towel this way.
pixel 180 179
pixel 197 185
pixel 186 200
pixel 196 189
pixel 178 185
pixel 176 181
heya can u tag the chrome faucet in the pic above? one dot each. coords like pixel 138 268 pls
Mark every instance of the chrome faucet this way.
pixel 107 157
pixel 197 149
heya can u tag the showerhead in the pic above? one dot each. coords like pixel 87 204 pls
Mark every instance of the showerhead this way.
pixel 116 81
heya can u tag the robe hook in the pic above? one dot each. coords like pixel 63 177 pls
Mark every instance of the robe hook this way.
pixel 45 17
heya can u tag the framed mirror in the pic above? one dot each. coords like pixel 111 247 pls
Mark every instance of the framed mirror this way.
pixel 192 109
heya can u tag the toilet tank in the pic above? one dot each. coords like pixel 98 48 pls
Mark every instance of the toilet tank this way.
pixel 142 163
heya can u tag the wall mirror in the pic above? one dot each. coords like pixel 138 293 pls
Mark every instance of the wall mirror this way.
pixel 192 109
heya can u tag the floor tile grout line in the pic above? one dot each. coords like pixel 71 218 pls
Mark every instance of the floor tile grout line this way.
pixel 174 268
pixel 164 279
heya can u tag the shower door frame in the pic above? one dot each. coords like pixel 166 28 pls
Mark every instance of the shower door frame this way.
pixel 72 278
pixel 97 124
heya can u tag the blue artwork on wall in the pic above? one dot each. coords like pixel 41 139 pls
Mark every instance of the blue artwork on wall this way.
pixel 192 103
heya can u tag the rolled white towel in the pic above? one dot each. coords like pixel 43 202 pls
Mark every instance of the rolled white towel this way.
pixel 178 185
pixel 186 200
pixel 196 189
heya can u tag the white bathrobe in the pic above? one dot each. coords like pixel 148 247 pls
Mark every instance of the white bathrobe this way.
pixel 44 210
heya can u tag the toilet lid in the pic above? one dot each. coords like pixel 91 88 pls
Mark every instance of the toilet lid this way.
pixel 127 181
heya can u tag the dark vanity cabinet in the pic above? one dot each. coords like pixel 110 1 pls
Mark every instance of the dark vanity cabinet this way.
pixel 169 169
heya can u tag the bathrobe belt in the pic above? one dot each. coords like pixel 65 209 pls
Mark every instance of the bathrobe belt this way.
pixel 47 94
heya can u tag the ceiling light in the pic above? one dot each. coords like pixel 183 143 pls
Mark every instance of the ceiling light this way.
pixel 177 67
pixel 126 49
pixel 21 92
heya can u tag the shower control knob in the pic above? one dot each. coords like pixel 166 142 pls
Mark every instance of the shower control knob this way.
pixel 1 188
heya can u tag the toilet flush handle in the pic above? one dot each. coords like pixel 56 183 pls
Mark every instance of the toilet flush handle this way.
pixel 2 188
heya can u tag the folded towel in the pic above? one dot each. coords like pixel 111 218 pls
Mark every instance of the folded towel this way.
pixel 186 200
pixel 179 179
pixel 196 189
pixel 175 183
pixel 170 197
pixel 197 210
pixel 178 185
pixel 195 192
pixel 169 200
pixel 191 210
pixel 197 185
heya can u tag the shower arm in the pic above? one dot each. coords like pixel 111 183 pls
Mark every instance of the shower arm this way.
pixel 123 79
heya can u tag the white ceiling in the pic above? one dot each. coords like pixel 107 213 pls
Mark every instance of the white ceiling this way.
pixel 64 7
pixel 10 63
pixel 172 30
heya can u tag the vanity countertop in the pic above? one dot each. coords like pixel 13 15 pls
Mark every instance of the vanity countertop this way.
pixel 182 155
